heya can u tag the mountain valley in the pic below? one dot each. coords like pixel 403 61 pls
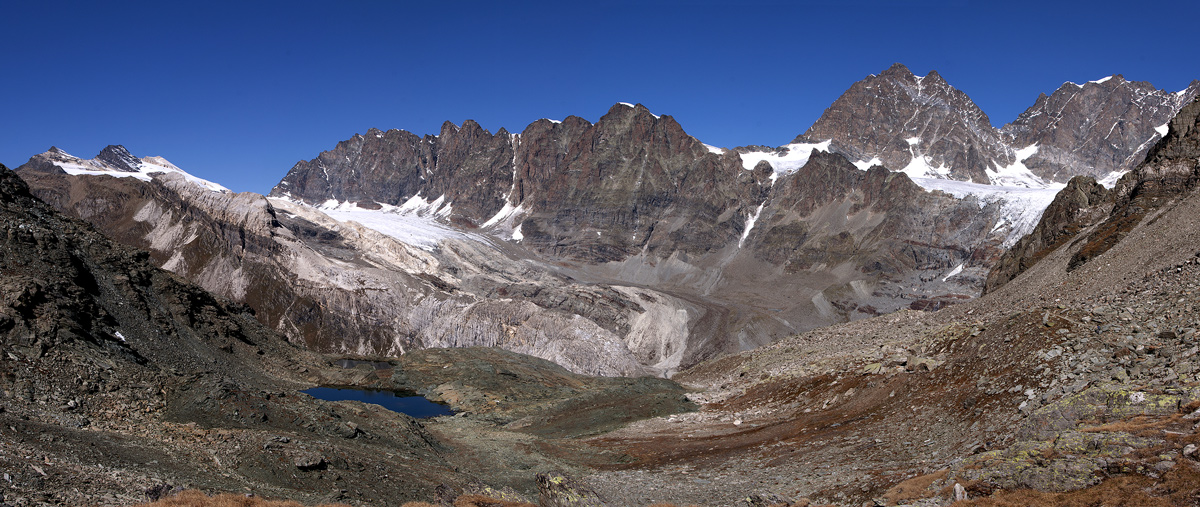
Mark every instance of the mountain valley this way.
pixel 879 313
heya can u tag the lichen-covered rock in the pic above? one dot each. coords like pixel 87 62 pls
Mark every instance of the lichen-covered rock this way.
pixel 557 489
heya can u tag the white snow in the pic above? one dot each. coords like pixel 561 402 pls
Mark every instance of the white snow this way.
pixel 1101 80
pixel 147 168
pixel 921 167
pixel 1020 207
pixel 119 336
pixel 750 223
pixel 714 149
pixel 953 272
pixel 1163 129
pixel 794 157
pixel 863 165
pixel 1111 180
pixel 517 236
pixel 507 212
pixel 414 222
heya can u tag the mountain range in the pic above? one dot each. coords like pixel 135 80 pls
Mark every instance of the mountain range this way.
pixel 781 289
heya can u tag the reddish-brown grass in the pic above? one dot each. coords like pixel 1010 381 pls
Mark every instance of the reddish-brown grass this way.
pixel 486 501
pixel 194 498
pixel 912 489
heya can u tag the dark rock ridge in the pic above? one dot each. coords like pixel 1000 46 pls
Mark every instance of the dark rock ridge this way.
pixel 633 199
pixel 1095 128
pixel 877 221
pixel 626 174
pixel 1170 171
pixel 119 158
pixel 1092 129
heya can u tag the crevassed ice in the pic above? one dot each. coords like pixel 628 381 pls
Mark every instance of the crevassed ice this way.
pixel 415 222
pixel 1020 207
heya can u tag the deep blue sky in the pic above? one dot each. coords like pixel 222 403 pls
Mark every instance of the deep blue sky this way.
pixel 238 92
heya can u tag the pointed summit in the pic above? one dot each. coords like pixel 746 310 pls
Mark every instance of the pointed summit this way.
pixel 924 127
pixel 119 158
pixel 896 70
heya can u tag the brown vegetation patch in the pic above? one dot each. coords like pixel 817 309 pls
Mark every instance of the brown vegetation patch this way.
pixel 912 489
pixel 1178 486
pixel 195 498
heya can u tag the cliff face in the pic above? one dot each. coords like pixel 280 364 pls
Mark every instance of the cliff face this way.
pixel 626 174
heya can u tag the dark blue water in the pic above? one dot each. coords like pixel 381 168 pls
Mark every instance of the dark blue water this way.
pixel 414 406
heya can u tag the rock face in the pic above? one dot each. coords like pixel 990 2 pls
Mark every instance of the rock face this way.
pixel 626 175
pixel 632 199
pixel 910 123
pixel 1097 128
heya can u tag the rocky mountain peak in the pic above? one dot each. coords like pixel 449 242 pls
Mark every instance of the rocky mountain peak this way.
pixel 119 158
pixel 897 70
pixel 920 125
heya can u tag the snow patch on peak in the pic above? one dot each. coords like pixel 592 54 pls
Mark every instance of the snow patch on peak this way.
pixel 1016 174
pixel 1101 80
pixel 793 157
pixel 922 167
pixel 714 149
pixel 863 165
pixel 632 106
